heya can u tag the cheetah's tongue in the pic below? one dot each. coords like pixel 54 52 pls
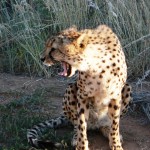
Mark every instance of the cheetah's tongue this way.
pixel 64 73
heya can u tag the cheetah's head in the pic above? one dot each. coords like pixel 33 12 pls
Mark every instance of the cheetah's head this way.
pixel 66 48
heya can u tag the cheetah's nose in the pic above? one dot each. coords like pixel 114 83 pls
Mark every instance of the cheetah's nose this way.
pixel 42 59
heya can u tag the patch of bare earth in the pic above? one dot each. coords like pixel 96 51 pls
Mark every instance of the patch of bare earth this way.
pixel 136 135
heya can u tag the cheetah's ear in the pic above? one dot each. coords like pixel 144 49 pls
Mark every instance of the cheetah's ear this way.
pixel 73 28
pixel 82 41
pixel 70 33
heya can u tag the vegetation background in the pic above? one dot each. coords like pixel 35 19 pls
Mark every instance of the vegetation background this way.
pixel 24 28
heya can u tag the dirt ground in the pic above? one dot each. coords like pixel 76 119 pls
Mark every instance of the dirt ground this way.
pixel 136 135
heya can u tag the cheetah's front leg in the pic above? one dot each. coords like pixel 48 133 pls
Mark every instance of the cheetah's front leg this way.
pixel 114 114
pixel 83 115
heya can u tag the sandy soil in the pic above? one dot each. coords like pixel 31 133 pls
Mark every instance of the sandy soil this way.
pixel 136 135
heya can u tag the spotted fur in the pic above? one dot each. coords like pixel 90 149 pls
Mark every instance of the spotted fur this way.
pixel 100 94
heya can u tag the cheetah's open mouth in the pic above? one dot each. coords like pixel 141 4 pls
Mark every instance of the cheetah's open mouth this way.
pixel 68 70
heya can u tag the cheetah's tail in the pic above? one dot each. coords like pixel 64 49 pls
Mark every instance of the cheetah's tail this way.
pixel 33 134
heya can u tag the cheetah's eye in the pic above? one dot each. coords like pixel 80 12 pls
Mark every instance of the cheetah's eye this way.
pixel 53 49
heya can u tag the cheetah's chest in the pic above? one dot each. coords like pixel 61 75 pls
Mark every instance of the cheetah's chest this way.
pixel 98 117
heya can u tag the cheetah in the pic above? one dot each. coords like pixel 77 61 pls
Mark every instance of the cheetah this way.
pixel 100 95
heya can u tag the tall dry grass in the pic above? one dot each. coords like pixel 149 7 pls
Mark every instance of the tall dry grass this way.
pixel 24 26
